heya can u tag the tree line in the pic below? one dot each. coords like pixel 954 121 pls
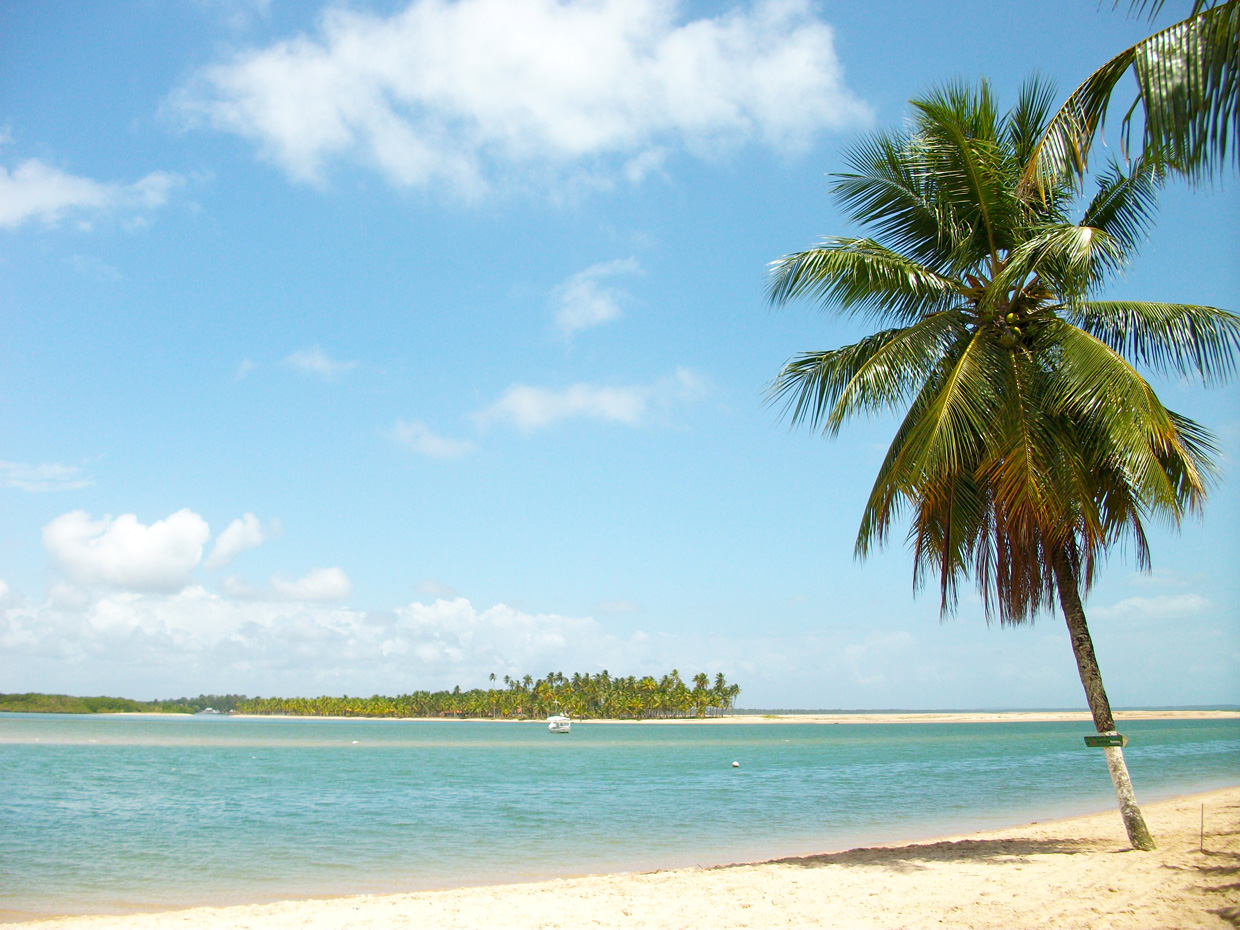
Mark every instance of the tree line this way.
pixel 34 702
pixel 583 696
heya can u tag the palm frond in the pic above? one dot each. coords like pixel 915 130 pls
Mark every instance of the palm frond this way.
pixel 891 190
pixel 1027 120
pixel 1179 339
pixel 958 131
pixel 881 371
pixel 863 277
pixel 943 433
pixel 1031 444
pixel 1125 203
pixel 1069 259
pixel 1188 89
pixel 1103 396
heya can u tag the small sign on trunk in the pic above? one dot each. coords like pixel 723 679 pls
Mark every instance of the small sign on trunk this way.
pixel 1106 739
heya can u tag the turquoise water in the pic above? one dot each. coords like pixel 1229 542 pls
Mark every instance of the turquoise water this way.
pixel 117 813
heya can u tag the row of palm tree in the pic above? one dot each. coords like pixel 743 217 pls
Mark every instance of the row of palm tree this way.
pixel 1030 443
pixel 583 696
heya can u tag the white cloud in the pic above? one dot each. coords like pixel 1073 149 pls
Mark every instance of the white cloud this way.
pixel 195 640
pixel 35 190
pixel 870 661
pixel 125 554
pixel 314 361
pixel 318 584
pixel 244 367
pixel 1158 607
pixel 434 588
pixel 419 438
pixel 49 476
pixel 620 607
pixel 148 645
pixel 464 93
pixel 584 301
pixel 530 408
pixel 242 589
pixel 243 533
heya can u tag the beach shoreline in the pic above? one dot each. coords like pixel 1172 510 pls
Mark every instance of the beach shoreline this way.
pixel 1072 872
pixel 843 717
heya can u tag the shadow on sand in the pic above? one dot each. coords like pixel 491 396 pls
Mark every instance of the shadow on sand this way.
pixel 910 858
pixel 1222 865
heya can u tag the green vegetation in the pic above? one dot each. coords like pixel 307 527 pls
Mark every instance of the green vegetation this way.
pixel 1188 95
pixel 34 703
pixel 580 696
pixel 66 704
pixel 1030 443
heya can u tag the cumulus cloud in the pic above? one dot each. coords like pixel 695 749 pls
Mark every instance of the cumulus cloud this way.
pixel 465 93
pixel 149 644
pixel 530 408
pixel 266 647
pixel 318 584
pixel 418 437
pixel 49 476
pixel 584 300
pixel 244 533
pixel 1157 607
pixel 314 361
pixel 125 554
pixel 35 190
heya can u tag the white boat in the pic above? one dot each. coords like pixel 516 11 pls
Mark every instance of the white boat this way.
pixel 558 723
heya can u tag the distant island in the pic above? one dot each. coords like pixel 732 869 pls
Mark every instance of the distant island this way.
pixel 582 696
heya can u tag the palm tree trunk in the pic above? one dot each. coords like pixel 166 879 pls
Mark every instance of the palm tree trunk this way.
pixel 1099 706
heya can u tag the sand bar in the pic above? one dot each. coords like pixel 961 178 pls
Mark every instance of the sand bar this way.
pixel 1075 873
pixel 877 716
pixel 965 716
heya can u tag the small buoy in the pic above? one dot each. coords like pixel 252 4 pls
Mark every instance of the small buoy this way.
pixel 736 765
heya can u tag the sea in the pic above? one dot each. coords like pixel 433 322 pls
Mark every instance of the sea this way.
pixel 114 814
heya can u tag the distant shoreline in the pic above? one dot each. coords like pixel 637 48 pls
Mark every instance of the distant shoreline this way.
pixel 1005 716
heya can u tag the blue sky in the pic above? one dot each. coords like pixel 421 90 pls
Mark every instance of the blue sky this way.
pixel 379 346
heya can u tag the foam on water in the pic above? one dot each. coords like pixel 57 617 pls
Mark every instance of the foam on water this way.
pixel 122 813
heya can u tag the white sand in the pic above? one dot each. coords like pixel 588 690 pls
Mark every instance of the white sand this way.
pixel 1076 873
pixel 878 716
pixel 964 716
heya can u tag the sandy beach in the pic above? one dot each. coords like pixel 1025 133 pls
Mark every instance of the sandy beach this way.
pixel 964 716
pixel 1074 873
pixel 877 716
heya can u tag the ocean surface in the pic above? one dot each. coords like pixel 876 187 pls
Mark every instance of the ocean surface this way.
pixel 120 813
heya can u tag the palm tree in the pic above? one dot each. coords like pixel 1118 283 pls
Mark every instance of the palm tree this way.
pixel 1030 443
pixel 1188 92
